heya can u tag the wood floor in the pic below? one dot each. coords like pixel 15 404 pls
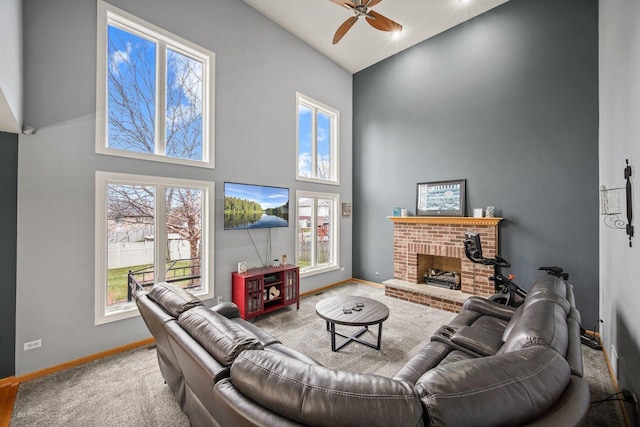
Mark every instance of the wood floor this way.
pixel 8 394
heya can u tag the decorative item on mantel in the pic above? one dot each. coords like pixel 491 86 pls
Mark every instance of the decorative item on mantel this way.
pixel 490 212
pixel 441 198
pixel 610 205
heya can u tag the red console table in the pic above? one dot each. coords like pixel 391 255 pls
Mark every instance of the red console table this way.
pixel 263 290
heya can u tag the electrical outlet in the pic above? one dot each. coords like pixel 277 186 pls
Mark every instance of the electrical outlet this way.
pixel 219 300
pixel 32 344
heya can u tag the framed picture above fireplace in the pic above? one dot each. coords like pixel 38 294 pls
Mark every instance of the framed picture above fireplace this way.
pixel 441 198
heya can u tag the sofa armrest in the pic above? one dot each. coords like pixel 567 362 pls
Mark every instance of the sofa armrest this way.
pixel 571 409
pixel 574 350
pixel 227 309
pixel 523 383
pixel 477 340
pixel 488 308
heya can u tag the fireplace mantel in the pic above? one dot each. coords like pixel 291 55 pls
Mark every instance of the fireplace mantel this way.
pixel 448 220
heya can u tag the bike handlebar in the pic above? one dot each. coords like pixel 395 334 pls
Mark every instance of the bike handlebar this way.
pixel 501 262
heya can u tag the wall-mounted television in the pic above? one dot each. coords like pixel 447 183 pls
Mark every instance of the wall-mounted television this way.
pixel 248 206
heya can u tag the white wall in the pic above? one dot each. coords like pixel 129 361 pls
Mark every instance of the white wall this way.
pixel 259 68
pixel 10 66
pixel 620 140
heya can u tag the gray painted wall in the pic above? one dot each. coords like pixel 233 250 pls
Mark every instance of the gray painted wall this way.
pixel 509 101
pixel 259 68
pixel 8 195
pixel 619 136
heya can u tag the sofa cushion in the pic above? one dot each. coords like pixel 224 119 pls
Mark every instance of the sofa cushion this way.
pixel 262 336
pixel 173 299
pixel 317 396
pixel 507 390
pixel 455 356
pixel 220 337
pixel 541 323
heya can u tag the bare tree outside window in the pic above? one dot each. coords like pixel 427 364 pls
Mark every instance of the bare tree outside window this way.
pixel 184 218
pixel 131 219
pixel 133 105
pixel 131 92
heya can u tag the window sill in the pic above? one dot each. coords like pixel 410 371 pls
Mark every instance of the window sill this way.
pixel 312 271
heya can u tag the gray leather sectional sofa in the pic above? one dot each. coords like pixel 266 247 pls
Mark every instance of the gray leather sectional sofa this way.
pixel 492 366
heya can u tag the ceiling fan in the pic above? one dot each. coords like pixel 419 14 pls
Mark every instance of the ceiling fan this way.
pixel 361 8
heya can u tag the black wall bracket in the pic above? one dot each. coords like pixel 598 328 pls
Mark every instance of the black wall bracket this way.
pixel 610 205
pixel 627 176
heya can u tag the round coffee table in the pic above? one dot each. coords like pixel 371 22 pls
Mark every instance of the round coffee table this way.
pixel 352 311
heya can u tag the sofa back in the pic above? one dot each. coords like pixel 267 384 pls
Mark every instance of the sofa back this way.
pixel 159 307
pixel 173 299
pixel 506 389
pixel 313 395
pixel 219 336
pixel 541 322
pixel 547 317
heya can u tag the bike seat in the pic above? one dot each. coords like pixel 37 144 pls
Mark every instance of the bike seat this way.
pixel 552 270
pixel 555 271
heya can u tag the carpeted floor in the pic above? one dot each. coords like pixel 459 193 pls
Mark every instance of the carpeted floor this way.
pixel 128 390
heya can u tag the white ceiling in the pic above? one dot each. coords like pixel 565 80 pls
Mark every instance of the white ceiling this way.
pixel 316 21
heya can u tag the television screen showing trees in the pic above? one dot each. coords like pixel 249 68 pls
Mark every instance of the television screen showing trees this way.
pixel 255 206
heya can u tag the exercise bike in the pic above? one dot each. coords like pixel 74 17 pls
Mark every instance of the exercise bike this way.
pixel 507 291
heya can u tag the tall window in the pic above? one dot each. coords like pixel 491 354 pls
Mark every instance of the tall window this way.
pixel 154 229
pixel 317 232
pixel 155 92
pixel 317 141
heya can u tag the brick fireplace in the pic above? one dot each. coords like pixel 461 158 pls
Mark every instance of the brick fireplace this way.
pixel 422 243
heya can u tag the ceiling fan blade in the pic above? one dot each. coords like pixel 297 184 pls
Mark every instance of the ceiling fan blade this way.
pixel 342 30
pixel 382 22
pixel 373 3
pixel 345 3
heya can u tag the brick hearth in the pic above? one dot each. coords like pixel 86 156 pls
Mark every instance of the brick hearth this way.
pixel 441 237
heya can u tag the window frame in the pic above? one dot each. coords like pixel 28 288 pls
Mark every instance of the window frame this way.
pixel 316 106
pixel 103 179
pixel 111 15
pixel 334 232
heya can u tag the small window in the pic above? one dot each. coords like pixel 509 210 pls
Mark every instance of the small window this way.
pixel 317 141
pixel 317 232
pixel 154 230
pixel 155 92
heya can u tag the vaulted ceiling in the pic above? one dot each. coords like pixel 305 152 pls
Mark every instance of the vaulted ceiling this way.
pixel 316 21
